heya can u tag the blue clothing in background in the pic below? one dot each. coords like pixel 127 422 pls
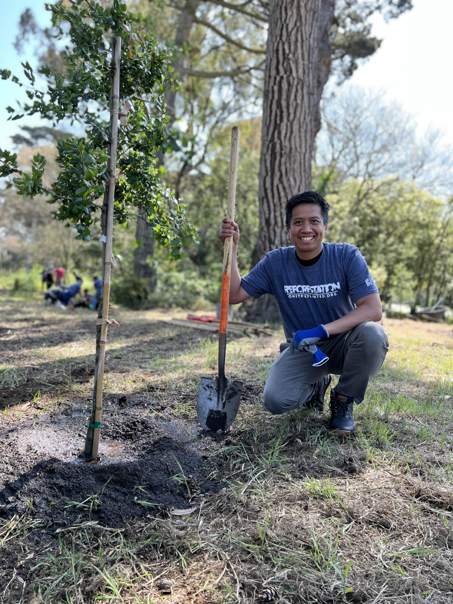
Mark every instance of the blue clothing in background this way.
pixel 98 286
pixel 65 295
pixel 316 294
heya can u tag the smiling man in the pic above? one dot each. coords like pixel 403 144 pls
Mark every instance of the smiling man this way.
pixel 327 299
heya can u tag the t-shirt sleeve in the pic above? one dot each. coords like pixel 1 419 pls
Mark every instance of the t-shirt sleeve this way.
pixel 359 279
pixel 258 281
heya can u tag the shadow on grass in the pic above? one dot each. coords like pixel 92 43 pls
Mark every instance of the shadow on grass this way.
pixel 160 338
pixel 62 333
pixel 68 328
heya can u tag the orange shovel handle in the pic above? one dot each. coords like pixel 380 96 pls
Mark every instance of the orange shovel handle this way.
pixel 228 243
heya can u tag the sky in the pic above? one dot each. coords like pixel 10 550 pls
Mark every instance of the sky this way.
pixel 412 67
pixel 9 59
pixel 413 64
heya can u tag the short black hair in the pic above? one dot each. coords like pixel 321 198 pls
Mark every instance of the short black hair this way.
pixel 307 197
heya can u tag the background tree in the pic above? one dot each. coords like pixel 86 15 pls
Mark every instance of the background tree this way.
pixel 80 92
pixel 220 48
pixel 366 137
pixel 30 235
pixel 405 234
pixel 217 79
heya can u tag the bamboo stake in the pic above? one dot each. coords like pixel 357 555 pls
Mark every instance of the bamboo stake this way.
pixel 93 433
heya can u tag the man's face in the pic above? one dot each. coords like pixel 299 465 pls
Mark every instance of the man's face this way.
pixel 307 230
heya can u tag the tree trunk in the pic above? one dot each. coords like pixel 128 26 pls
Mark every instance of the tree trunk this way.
pixel 386 296
pixel 184 26
pixel 298 60
pixel 143 254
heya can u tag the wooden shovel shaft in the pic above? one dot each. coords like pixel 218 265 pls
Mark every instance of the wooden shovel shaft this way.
pixel 228 252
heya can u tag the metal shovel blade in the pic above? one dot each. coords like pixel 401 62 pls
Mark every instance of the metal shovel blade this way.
pixel 218 404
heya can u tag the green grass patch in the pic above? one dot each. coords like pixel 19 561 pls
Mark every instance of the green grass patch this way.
pixel 321 489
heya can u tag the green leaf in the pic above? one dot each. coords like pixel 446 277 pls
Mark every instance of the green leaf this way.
pixel 8 163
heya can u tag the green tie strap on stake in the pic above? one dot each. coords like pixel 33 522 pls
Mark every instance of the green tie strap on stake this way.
pixel 95 425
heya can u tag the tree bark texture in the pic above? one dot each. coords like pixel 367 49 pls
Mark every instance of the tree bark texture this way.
pixel 298 61
pixel 186 21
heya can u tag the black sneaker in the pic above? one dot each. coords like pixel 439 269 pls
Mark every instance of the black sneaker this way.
pixel 341 414
pixel 317 400
pixel 284 346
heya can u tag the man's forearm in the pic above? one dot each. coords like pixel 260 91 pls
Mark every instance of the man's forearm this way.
pixel 370 310
pixel 235 280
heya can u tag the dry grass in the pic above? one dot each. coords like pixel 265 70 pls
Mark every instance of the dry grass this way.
pixel 300 517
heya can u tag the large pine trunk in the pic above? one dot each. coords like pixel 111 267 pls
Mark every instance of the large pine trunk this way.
pixel 298 59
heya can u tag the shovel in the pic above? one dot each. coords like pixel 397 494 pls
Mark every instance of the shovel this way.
pixel 218 398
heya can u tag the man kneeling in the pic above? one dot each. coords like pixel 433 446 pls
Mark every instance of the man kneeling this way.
pixel 330 306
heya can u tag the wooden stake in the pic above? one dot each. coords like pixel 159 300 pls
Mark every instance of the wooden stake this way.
pixel 93 433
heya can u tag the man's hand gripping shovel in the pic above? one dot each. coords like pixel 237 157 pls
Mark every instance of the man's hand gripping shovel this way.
pixel 218 398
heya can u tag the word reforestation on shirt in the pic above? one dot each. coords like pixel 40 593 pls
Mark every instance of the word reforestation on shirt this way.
pixel 323 290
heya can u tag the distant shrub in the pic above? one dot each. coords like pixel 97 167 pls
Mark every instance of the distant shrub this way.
pixel 183 289
pixel 22 280
pixel 130 291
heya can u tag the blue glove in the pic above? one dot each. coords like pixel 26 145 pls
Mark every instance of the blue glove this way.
pixel 318 356
pixel 305 337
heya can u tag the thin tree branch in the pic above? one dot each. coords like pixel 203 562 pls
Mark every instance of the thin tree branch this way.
pixel 199 73
pixel 239 9
pixel 258 51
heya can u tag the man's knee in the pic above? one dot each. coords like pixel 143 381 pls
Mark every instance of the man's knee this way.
pixel 371 334
pixel 275 402
pixel 372 340
pixel 272 402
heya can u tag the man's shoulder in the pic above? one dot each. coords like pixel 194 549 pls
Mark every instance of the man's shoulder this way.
pixel 341 250
pixel 340 246
pixel 280 254
pixel 275 260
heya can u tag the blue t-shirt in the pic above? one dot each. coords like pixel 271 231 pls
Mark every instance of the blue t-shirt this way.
pixel 69 293
pixel 98 287
pixel 316 294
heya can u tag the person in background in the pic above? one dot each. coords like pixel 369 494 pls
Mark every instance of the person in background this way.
pixel 47 278
pixel 98 287
pixel 86 300
pixel 59 274
pixel 62 296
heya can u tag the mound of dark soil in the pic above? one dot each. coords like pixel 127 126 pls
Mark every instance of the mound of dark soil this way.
pixel 150 463
pixel 167 475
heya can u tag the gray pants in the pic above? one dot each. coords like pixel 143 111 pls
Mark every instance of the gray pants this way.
pixel 355 355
